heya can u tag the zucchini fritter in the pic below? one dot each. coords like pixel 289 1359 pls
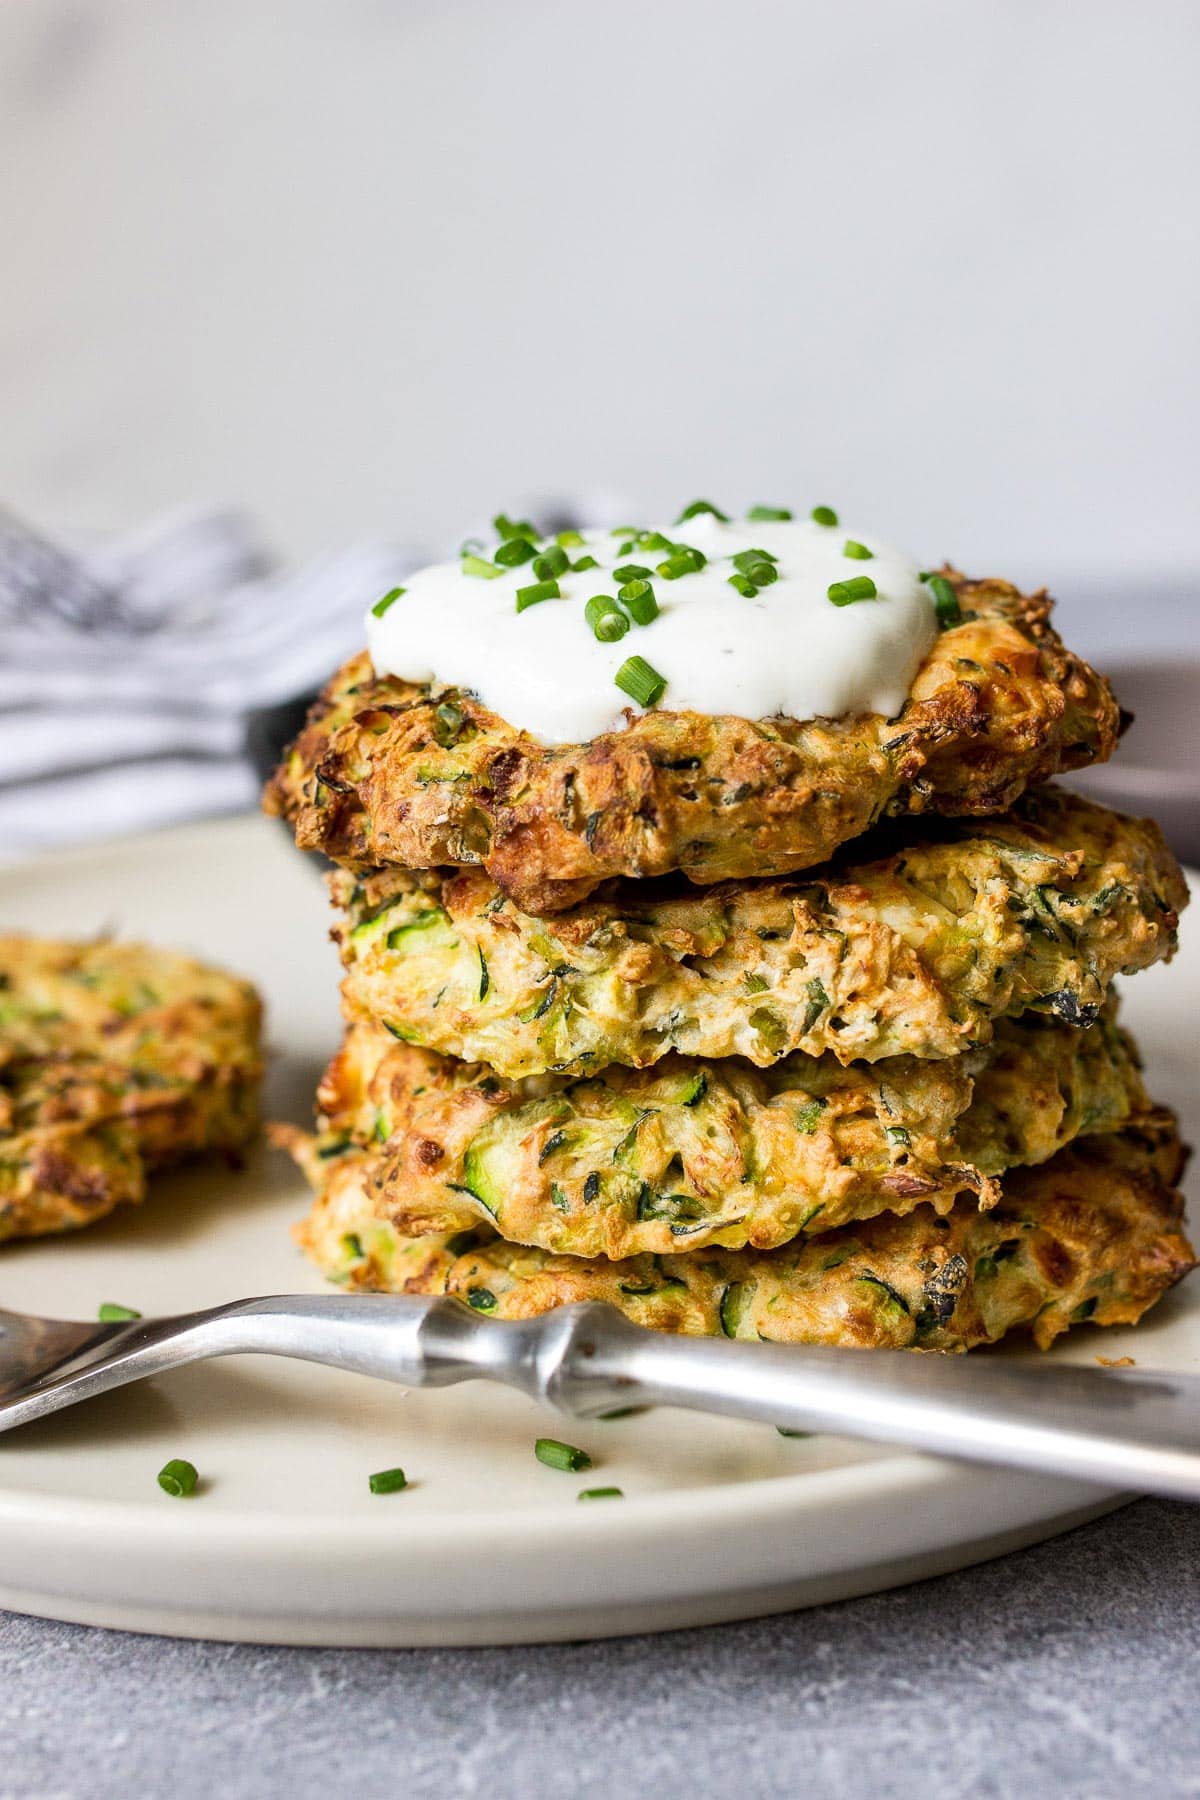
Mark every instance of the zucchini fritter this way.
pixel 916 952
pixel 692 1153
pixel 115 1061
pixel 1096 1235
pixel 387 772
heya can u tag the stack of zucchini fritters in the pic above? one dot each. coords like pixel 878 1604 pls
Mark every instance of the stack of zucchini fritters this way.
pixel 635 1020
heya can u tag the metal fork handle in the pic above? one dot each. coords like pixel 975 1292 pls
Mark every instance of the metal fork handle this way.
pixel 1117 1428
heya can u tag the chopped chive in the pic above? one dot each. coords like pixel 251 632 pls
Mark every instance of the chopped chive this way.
pixel 485 980
pixel 759 565
pixel 513 552
pixel 570 540
pixel 624 531
pixel 448 722
pixel 786 1431
pixel 387 1481
pixel 389 599
pixel 178 1478
pixel 949 612
pixel 702 506
pixel 643 683
pixel 766 513
pixel 481 1299
pixel 859 587
pixel 824 515
pixel 557 1455
pixel 606 619
pixel 584 562
pixel 653 540
pixel 112 1314
pixel 632 572
pixel 504 527
pixel 541 590
pixel 550 563
pixel 744 585
pixel 858 551
pixel 603 1493
pixel 637 597
pixel 479 565
pixel 683 561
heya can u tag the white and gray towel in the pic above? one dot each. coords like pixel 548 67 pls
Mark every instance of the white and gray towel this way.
pixel 130 670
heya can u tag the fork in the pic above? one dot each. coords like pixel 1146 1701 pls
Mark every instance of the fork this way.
pixel 1118 1428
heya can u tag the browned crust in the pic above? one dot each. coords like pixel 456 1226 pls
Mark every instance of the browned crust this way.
pixel 693 1153
pixel 999 704
pixel 1094 1236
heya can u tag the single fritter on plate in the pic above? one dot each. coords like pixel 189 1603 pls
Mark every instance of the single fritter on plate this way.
pixel 1096 1234
pixel 391 772
pixel 916 949
pixel 116 1060
pixel 691 1153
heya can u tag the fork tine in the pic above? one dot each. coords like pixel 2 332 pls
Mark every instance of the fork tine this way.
pixel 33 1348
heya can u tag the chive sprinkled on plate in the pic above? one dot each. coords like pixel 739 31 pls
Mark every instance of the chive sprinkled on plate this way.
pixel 389 599
pixel 702 506
pixel 606 619
pixel 744 585
pixel 640 680
pixel 387 1481
pixel 768 513
pixel 824 515
pixel 859 587
pixel 481 1299
pixel 178 1478
pixel 637 597
pixel 786 1431
pixel 632 572
pixel 539 591
pixel 557 1455
pixel 112 1314
pixel 480 566
pixel 584 562
pixel 858 551
pixel 949 612
pixel 504 527
pixel 570 539
pixel 600 1493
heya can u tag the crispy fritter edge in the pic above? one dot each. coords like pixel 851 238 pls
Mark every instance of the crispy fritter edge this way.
pixel 377 776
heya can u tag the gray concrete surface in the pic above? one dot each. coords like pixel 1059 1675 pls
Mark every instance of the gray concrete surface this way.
pixel 1072 1669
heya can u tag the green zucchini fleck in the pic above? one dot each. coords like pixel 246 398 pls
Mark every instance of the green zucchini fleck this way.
pixel 732 1306
pixel 809 1117
pixel 818 1000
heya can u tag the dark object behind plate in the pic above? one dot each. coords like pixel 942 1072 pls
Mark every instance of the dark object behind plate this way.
pixel 1156 771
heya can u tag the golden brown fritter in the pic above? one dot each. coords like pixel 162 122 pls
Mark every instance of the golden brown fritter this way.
pixel 386 772
pixel 1096 1234
pixel 914 951
pixel 692 1153
pixel 115 1060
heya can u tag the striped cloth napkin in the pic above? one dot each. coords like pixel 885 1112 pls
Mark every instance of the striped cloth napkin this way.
pixel 131 670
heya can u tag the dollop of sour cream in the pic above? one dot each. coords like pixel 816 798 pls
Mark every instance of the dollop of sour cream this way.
pixel 787 650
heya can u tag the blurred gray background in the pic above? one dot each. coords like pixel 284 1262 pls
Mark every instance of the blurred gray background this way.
pixel 373 266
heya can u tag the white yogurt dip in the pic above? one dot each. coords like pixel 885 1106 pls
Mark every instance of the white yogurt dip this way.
pixel 785 650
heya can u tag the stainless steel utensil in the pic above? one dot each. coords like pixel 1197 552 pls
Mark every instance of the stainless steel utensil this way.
pixel 1120 1428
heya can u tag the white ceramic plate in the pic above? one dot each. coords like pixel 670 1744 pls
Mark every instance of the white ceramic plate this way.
pixel 285 1543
